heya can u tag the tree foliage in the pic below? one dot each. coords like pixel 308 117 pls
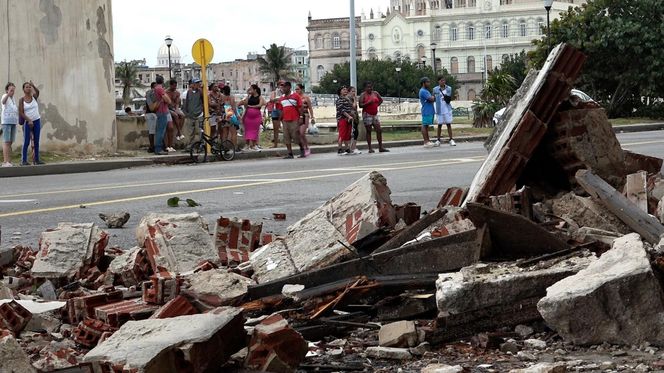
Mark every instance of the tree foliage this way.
pixel 384 76
pixel 624 41
pixel 277 63
pixel 515 65
pixel 499 88
pixel 127 73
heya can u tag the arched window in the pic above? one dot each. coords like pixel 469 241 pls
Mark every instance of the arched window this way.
pixel 487 31
pixel 437 33
pixel 454 65
pixel 489 63
pixel 327 41
pixel 472 3
pixel 540 26
pixel 318 41
pixel 320 72
pixel 470 64
pixel 372 53
pixel 454 33
pixel 397 56
pixel 505 29
pixel 506 57
pixel 336 41
pixel 420 52
pixel 472 95
pixel 459 3
pixel 523 28
pixel 470 32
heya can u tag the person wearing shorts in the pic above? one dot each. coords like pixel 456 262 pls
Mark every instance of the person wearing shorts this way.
pixel 370 100
pixel 276 112
pixel 291 107
pixel 443 94
pixel 428 111
pixel 344 120
pixel 9 123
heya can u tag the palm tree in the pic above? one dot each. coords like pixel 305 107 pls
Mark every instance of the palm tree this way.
pixel 276 64
pixel 127 73
pixel 498 89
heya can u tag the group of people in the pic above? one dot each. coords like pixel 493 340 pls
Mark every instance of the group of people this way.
pixel 436 105
pixel 24 113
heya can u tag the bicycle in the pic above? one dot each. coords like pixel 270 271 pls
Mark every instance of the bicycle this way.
pixel 224 150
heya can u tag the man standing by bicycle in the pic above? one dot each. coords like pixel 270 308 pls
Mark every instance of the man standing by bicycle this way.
pixel 193 107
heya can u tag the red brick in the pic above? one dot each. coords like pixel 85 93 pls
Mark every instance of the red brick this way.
pixel 275 342
pixel 89 332
pixel 13 316
pixel 116 314
pixel 80 308
pixel 178 306
pixel 160 289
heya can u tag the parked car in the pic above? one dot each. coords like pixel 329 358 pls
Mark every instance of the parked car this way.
pixel 582 96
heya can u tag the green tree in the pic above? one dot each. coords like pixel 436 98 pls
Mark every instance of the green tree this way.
pixel 624 41
pixel 515 65
pixel 497 91
pixel 127 73
pixel 383 75
pixel 276 64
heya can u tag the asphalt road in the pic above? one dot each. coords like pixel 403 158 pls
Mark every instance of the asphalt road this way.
pixel 253 189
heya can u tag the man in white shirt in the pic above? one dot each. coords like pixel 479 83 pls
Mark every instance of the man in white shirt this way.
pixel 443 94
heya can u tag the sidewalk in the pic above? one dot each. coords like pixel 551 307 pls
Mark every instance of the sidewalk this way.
pixel 181 157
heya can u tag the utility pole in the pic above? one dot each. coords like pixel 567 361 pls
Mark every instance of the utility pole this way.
pixel 353 46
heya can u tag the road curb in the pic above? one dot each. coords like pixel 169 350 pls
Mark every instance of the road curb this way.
pixel 180 158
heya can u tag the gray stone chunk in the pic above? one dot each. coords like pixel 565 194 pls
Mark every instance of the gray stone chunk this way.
pixel 617 299
pixel 391 353
pixel 543 368
pixel 13 358
pixel 398 334
pixel 115 220
pixel 442 368
pixel 218 287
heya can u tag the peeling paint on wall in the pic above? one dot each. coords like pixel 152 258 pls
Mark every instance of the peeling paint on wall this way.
pixel 103 48
pixel 51 22
pixel 64 130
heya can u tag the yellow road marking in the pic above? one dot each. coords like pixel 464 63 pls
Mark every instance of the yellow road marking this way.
pixel 226 187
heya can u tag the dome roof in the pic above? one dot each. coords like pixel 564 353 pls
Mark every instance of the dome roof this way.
pixel 163 52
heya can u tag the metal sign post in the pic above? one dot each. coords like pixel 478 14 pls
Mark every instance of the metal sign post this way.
pixel 202 52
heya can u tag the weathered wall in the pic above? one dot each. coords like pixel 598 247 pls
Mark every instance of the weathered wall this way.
pixel 66 48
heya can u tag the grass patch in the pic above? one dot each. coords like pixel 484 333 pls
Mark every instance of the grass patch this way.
pixel 628 121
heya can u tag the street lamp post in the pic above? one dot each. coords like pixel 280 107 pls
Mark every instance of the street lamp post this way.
pixel 398 70
pixel 169 42
pixel 547 6
pixel 433 57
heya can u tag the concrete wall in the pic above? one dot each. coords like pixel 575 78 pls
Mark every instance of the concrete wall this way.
pixel 66 48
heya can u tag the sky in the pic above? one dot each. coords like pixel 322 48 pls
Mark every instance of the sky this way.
pixel 234 27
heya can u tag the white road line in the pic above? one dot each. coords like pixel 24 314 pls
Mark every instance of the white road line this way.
pixel 16 200
pixel 224 180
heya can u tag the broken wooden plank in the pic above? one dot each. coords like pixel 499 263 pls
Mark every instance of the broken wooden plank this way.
pixel 411 232
pixel 642 223
pixel 435 256
pixel 514 236
pixel 636 189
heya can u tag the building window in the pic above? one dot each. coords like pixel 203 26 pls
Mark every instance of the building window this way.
pixel 372 53
pixel 420 52
pixel 472 95
pixel 505 2
pixel 336 41
pixel 454 65
pixel 438 32
pixel 397 56
pixel 454 34
pixel 523 30
pixel 540 26
pixel 506 57
pixel 487 31
pixel 459 3
pixel 505 30
pixel 318 43
pixel 470 34
pixel 489 63
pixel 471 64
pixel 472 3
pixel 320 72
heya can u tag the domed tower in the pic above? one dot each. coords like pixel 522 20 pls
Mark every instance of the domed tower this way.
pixel 162 56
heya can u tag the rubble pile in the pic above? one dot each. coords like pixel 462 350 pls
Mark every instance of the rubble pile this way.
pixel 553 254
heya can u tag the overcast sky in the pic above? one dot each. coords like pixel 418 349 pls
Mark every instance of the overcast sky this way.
pixel 234 27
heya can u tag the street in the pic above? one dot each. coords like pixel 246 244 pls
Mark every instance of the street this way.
pixel 253 189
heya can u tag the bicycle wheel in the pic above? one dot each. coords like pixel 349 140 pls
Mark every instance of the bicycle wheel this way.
pixel 227 150
pixel 198 152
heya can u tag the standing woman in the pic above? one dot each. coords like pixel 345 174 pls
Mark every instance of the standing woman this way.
pixel 230 121
pixel 307 115
pixel 344 120
pixel 28 109
pixel 9 123
pixel 252 116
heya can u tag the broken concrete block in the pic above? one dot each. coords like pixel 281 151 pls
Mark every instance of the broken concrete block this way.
pixel 13 316
pixel 535 344
pixel 69 250
pixel 587 213
pixel 616 299
pixel 398 334
pixel 47 291
pixel 442 368
pixel 324 236
pixel 636 189
pixel 218 287
pixel 391 353
pixel 5 292
pixel 588 234
pixel 89 332
pixel 45 315
pixel 9 255
pixel 235 239
pixel 115 220
pixel 132 267
pixel 543 368
pixel 161 289
pixel 186 343
pixel 176 243
pixel 275 346
pixel 469 295
pixel 14 359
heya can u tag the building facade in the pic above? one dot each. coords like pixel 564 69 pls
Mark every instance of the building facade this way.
pixel 329 44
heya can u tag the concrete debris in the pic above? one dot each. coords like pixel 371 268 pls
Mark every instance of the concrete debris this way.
pixel 524 331
pixel 236 239
pixel 13 316
pixel 391 353
pixel 185 343
pixel 543 368
pixel 325 236
pixel 398 334
pixel 115 220
pixel 69 250
pixel 616 299
pixel 442 368
pixel 585 212
pixel 176 243
pixel 218 287
pixel 275 346
pixel 47 291
pixel 636 189
pixel 14 359
pixel 534 344
pixel 130 268
pixel 5 292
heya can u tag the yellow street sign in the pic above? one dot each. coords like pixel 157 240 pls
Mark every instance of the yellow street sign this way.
pixel 202 52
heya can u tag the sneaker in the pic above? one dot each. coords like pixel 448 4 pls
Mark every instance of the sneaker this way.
pixel 437 143
pixel 452 143
pixel 357 151
pixel 170 149
pixel 384 150
pixel 302 155
pixel 24 163
pixel 38 163
pixel 428 145
pixel 340 151
pixel 150 150
pixel 289 156
pixel 7 164
pixel 371 151
pixel 259 147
